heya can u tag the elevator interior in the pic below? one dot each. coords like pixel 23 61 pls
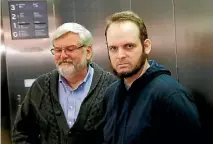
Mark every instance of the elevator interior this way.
pixel 181 34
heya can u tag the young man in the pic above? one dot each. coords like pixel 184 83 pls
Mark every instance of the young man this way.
pixel 65 105
pixel 147 105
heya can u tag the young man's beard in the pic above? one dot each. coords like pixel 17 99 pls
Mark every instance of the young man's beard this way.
pixel 135 70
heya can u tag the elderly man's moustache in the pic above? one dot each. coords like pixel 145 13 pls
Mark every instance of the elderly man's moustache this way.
pixel 65 61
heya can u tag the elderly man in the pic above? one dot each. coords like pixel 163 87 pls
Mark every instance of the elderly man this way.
pixel 65 105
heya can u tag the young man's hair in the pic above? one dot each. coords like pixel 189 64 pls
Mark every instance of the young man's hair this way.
pixel 128 16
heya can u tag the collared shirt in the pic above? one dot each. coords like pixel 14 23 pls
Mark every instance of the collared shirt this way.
pixel 71 99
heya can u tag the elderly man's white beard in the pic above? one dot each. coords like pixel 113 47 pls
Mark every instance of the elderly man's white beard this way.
pixel 67 70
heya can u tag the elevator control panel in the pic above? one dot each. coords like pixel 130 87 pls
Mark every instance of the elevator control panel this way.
pixel 28 19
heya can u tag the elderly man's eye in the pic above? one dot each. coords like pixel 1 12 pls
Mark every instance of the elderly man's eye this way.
pixel 57 50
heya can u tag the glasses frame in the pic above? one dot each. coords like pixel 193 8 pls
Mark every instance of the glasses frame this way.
pixel 53 52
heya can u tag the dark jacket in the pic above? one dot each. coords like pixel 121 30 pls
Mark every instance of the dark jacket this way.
pixel 156 109
pixel 40 118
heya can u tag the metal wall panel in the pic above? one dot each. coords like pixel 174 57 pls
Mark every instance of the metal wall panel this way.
pixel 194 25
pixel 194 31
pixel 5 109
pixel 66 10
pixel 181 34
pixel 106 8
pixel 25 59
pixel 158 17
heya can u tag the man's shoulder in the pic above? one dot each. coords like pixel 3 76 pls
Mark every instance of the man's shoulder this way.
pixel 41 78
pixel 170 90
pixel 37 88
pixel 112 87
pixel 167 84
pixel 40 81
pixel 110 76
pixel 107 76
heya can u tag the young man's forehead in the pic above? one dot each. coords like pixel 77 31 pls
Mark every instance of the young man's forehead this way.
pixel 122 31
pixel 125 26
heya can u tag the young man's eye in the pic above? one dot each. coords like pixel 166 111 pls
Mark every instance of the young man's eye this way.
pixel 129 46
pixel 112 48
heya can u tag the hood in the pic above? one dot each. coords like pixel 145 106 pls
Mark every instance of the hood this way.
pixel 153 71
pixel 156 69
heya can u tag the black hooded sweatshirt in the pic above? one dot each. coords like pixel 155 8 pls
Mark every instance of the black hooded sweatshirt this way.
pixel 156 109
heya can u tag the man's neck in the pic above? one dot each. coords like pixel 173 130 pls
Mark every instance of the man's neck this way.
pixel 130 80
pixel 75 80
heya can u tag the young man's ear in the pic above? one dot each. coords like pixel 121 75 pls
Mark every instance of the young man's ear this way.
pixel 147 46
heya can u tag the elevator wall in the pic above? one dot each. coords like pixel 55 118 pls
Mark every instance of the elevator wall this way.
pixel 181 34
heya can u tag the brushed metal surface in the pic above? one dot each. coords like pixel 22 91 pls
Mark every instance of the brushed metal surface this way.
pixel 194 32
pixel 194 25
pixel 25 59
pixel 159 19
pixel 181 34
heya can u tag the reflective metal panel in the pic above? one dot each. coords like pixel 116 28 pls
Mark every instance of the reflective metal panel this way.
pixel 5 111
pixel 26 59
pixel 194 26
pixel 106 8
pixel 158 17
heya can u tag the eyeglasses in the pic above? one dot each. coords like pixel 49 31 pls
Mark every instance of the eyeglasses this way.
pixel 67 50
